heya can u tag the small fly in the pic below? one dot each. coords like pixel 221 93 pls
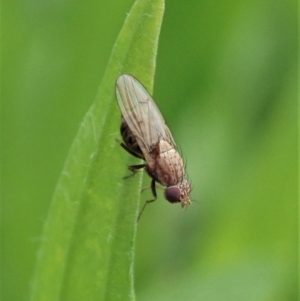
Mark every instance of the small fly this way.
pixel 146 136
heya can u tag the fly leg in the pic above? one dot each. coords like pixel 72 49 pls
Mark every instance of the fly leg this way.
pixel 131 151
pixel 156 186
pixel 134 169
pixel 153 189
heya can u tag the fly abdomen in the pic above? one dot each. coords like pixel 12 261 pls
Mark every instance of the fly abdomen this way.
pixel 130 140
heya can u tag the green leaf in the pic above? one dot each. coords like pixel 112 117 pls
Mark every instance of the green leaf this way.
pixel 88 240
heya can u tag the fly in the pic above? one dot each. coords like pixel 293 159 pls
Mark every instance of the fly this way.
pixel 146 136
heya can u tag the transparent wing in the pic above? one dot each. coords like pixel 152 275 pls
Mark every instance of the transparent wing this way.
pixel 141 114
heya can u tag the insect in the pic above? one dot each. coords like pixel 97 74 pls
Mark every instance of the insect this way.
pixel 146 136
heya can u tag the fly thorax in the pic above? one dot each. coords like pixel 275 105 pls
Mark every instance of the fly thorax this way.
pixel 169 164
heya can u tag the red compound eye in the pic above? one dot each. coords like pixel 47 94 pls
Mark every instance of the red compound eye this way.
pixel 172 194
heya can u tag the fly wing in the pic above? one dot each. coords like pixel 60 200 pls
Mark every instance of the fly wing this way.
pixel 141 114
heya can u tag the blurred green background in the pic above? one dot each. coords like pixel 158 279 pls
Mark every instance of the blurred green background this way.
pixel 226 83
